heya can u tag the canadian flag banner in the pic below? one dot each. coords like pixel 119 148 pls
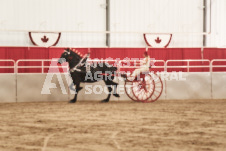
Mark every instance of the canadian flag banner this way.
pixel 157 40
pixel 44 39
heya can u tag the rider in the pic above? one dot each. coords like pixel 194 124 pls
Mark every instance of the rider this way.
pixel 144 66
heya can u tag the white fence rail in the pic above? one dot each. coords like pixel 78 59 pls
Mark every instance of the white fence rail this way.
pixel 13 66
pixel 217 66
pixel 53 64
pixel 188 65
pixel 27 87
pixel 166 65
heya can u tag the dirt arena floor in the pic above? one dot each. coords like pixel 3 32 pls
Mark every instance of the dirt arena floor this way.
pixel 198 125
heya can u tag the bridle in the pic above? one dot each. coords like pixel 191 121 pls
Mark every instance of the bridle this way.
pixel 78 65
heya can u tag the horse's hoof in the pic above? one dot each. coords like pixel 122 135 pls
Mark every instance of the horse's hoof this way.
pixel 104 101
pixel 72 101
pixel 116 95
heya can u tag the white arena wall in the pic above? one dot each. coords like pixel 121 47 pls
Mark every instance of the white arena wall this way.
pixel 7 87
pixel 217 37
pixel 218 85
pixel 29 88
pixel 183 16
pixel 196 86
pixel 24 87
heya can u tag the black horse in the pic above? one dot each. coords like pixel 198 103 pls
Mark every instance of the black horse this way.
pixel 79 73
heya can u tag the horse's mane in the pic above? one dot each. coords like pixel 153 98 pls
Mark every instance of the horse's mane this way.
pixel 76 54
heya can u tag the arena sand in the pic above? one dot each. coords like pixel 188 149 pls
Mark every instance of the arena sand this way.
pixel 92 126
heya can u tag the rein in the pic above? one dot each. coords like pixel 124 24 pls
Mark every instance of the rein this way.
pixel 79 64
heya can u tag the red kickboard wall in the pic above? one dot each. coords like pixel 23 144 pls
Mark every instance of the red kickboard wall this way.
pixel 17 53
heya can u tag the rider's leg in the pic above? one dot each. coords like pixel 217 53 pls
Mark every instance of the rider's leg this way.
pixel 134 74
pixel 137 72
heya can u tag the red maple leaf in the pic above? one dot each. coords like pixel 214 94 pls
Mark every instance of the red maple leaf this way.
pixel 158 40
pixel 44 39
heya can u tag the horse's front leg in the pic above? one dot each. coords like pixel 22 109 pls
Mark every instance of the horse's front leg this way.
pixel 115 87
pixel 77 89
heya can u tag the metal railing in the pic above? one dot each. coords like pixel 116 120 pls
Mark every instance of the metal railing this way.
pixel 131 64
pixel 42 67
pixel 217 66
pixel 207 64
pixel 152 64
pixel 8 66
pixel 187 66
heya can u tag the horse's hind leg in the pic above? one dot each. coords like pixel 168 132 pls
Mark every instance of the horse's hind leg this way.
pixel 115 88
pixel 77 89
pixel 109 94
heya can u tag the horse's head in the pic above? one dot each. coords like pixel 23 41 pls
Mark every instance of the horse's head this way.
pixel 69 56
pixel 64 56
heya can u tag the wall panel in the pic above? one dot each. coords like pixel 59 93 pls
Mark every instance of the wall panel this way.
pixel 30 86
pixel 217 24
pixel 156 16
pixel 125 15
pixel 218 85
pixel 7 88
pixel 195 86
pixel 58 15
